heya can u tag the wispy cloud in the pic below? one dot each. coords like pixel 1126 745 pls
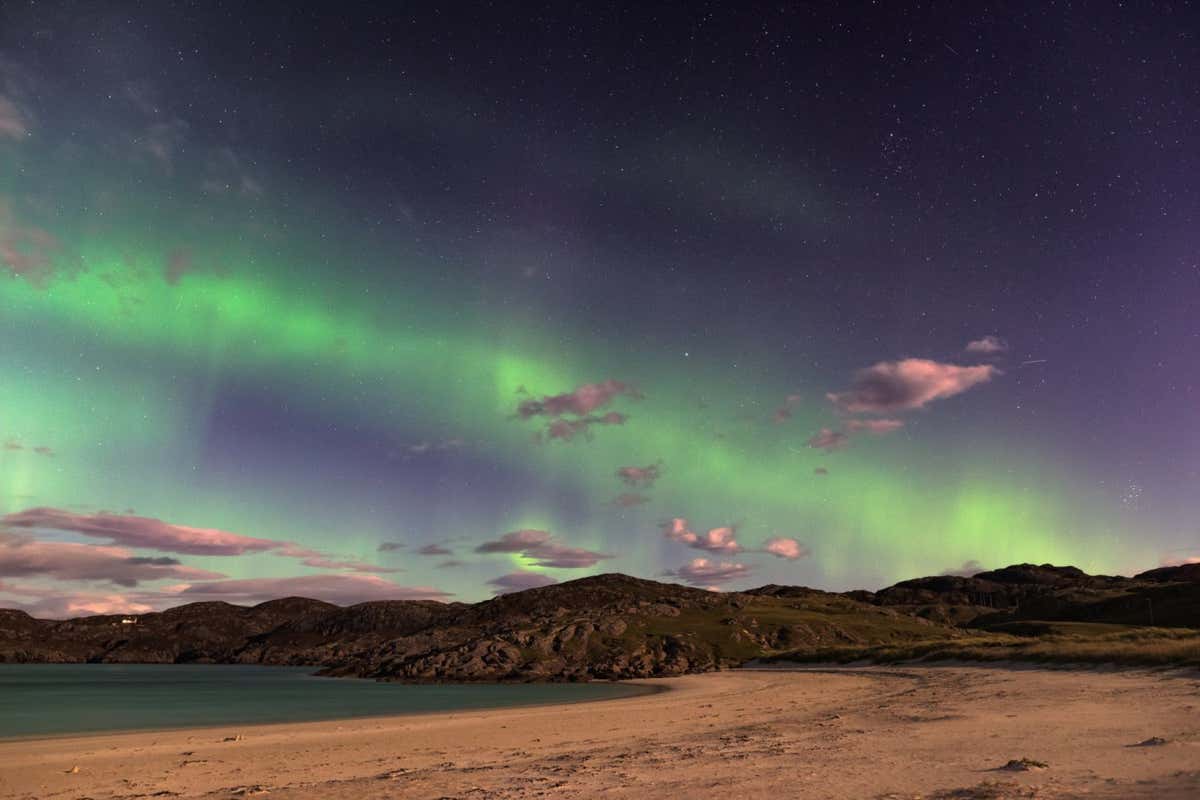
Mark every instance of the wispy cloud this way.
pixel 144 532
pixel 434 550
pixel 542 547
pixel 640 477
pixel 988 345
pixel 573 413
pixel 967 570
pixel 13 121
pixel 784 412
pixel 704 572
pixel 630 499
pixel 912 383
pixel 828 440
pixel 390 547
pixel 23 556
pixel 876 426
pixel 154 534
pixel 519 581
pixel 332 588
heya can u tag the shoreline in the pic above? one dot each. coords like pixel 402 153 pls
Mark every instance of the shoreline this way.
pixel 850 733
pixel 638 689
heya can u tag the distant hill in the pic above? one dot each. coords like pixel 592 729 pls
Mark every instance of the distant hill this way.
pixel 606 626
pixel 614 626
pixel 1168 597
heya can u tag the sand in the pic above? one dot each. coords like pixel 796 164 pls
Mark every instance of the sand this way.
pixel 931 732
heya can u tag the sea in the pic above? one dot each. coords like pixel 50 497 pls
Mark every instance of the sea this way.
pixel 39 700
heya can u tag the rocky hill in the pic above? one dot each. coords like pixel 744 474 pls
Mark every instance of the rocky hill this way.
pixel 613 626
pixel 606 626
pixel 1168 596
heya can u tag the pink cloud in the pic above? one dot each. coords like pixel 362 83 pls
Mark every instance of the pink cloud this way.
pixel 27 252
pixel 784 412
pixel 716 540
pixel 640 477
pixel 542 547
pixel 705 573
pixel 341 590
pixel 519 582
pixel 784 547
pixel 912 383
pixel 21 556
pixel 145 532
pixel 12 120
pixel 630 499
pixel 988 345
pixel 828 440
pixel 56 603
pixel 581 402
pixel 876 426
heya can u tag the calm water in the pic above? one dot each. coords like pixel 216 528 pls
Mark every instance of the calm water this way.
pixel 48 699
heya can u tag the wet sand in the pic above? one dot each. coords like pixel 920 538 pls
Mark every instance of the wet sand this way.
pixel 876 732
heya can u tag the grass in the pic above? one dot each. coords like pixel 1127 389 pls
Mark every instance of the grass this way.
pixel 1074 643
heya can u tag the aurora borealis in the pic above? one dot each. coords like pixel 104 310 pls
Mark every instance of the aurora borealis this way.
pixel 358 307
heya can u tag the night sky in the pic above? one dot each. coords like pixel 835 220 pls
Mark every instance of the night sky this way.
pixel 451 302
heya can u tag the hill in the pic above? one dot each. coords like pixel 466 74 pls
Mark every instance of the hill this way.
pixel 605 626
pixel 615 626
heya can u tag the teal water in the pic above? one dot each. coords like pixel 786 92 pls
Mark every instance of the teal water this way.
pixel 54 699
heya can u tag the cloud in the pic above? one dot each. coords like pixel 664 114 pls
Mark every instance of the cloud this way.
pixel 57 603
pixel 13 444
pixel 154 534
pixel 630 499
pixel 717 540
pixel 580 403
pixel 784 412
pixel 27 252
pixel 828 440
pixel 784 547
pixel 567 429
pixel 876 426
pixel 540 545
pixel 912 383
pixel 435 550
pixel 339 589
pixel 988 345
pixel 22 556
pixel 390 547
pixel 13 124
pixel 707 574
pixel 442 446
pixel 452 563
pixel 519 581
pixel 319 560
pixel 640 477
pixel 820 471
pixel 967 570
pixel 163 140
pixel 144 532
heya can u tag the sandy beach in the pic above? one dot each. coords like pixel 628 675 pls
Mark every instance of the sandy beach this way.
pixel 928 732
